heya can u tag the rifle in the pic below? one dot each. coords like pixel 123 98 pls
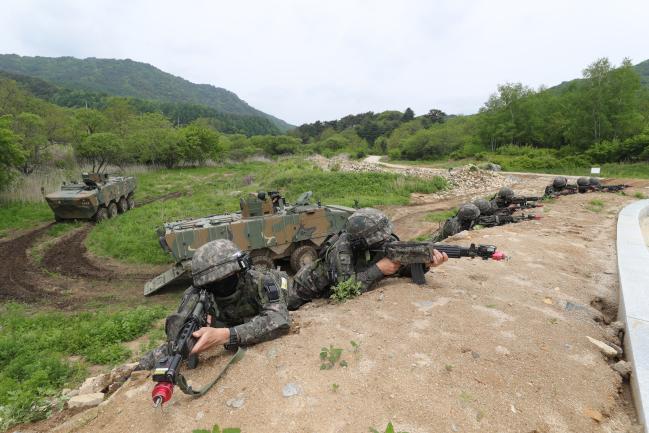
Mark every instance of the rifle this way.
pixel 416 255
pixel 526 200
pixel 499 219
pixel 196 307
pixel 567 190
pixel 612 188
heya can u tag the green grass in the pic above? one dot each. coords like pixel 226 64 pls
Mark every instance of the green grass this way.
pixel 17 216
pixel 36 351
pixel 639 195
pixel 441 215
pixel 132 238
pixel 595 205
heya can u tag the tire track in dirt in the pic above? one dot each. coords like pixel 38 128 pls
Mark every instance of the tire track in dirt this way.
pixel 19 278
pixel 68 257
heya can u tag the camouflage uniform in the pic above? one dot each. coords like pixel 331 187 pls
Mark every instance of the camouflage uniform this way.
pixel 342 258
pixel 502 199
pixel 464 220
pixel 254 308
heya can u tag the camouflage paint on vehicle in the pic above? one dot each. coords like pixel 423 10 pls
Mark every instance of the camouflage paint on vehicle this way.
pixel 265 227
pixel 96 191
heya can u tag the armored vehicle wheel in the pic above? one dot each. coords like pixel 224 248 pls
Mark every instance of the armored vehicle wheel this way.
pixel 112 210
pixel 131 201
pixel 261 260
pixel 122 205
pixel 303 256
pixel 102 214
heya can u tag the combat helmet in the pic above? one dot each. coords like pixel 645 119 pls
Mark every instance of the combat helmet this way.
pixel 594 182
pixel 505 193
pixel 468 212
pixel 559 182
pixel 217 260
pixel 483 205
pixel 368 226
pixel 583 181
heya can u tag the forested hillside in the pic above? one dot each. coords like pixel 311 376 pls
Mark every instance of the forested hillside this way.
pixel 129 78
pixel 602 117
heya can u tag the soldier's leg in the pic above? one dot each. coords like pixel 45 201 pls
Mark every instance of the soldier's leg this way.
pixel 309 283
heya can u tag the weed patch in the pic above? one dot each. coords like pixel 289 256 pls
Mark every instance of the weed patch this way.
pixel 36 351
pixel 595 205
pixel 440 216
pixel 388 429
pixel 345 290
pixel 639 195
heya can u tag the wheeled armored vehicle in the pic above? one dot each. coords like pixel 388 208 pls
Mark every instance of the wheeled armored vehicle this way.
pixel 97 197
pixel 265 227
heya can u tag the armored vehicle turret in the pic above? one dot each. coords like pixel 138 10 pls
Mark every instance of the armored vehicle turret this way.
pixel 97 197
pixel 266 227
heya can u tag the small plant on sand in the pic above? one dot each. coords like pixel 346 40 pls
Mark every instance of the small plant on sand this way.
pixel 330 356
pixel 388 429
pixel 217 429
pixel 334 387
pixel 640 195
pixel 595 205
pixel 348 289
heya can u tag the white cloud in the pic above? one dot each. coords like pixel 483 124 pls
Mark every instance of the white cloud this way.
pixel 308 60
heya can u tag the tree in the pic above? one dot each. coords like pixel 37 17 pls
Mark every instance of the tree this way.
pixel 100 149
pixel 11 153
pixel 201 143
pixel 408 115
pixel 435 116
pixel 30 129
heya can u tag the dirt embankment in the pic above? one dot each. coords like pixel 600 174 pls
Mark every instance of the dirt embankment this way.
pixel 483 346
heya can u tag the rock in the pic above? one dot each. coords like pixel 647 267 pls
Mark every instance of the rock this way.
pixel 592 413
pixel 140 374
pixel 502 350
pixel 96 384
pixel 272 353
pixel 86 400
pixel 237 403
pixel 200 415
pixel 133 392
pixel 475 354
pixel 380 298
pixel 603 347
pixel 122 372
pixel 624 368
pixel 290 389
pixel 455 428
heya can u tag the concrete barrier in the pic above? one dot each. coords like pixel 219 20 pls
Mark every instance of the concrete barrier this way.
pixel 633 266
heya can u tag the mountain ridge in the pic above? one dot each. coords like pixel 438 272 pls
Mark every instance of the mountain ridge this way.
pixel 126 77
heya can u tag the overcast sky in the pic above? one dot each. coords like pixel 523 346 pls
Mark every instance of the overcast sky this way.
pixel 306 60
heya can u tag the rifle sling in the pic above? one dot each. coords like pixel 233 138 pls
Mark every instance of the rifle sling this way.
pixel 187 389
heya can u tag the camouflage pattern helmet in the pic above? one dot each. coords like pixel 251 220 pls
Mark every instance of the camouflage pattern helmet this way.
pixel 559 182
pixel 583 181
pixel 216 260
pixel 505 193
pixel 370 225
pixel 594 181
pixel 483 205
pixel 468 212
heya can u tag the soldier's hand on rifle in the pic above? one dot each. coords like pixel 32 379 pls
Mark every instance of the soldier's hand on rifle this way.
pixel 438 258
pixel 208 337
pixel 387 266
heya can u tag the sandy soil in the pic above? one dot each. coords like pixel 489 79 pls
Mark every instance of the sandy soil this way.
pixel 484 346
